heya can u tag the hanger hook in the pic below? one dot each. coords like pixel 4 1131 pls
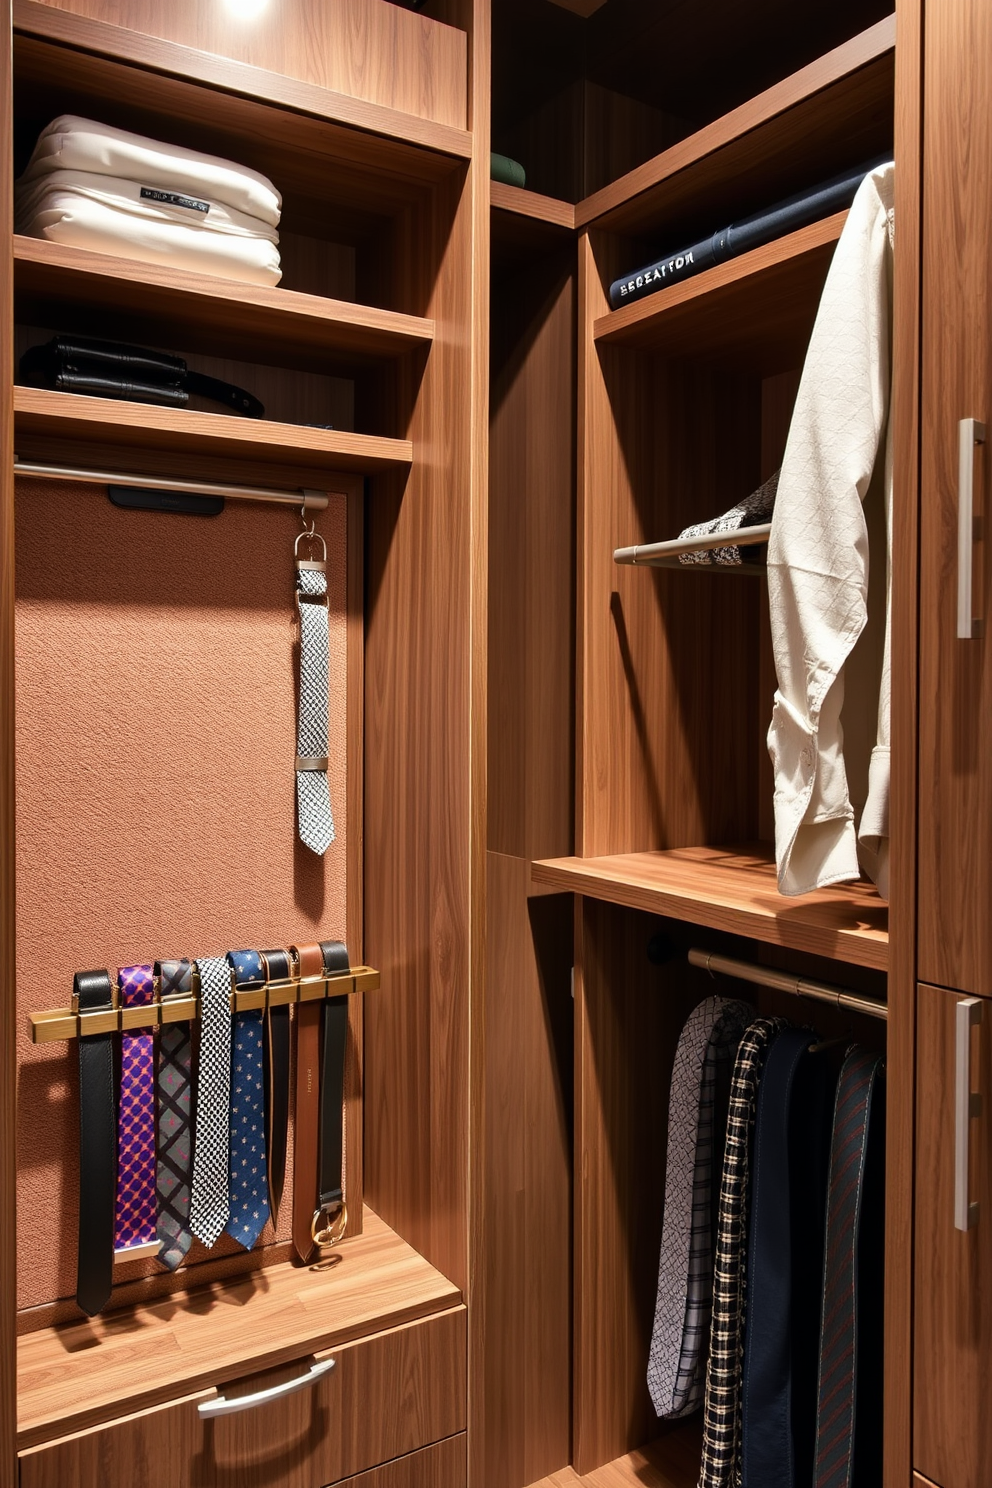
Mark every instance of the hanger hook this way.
pixel 311 530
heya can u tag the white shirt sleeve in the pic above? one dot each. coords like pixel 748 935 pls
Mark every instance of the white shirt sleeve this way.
pixel 818 550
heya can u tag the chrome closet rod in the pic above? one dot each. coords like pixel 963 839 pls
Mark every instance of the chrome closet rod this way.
pixel 657 553
pixel 308 500
pixel 783 981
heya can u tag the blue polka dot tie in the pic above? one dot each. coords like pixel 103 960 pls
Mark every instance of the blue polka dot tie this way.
pixel 249 1176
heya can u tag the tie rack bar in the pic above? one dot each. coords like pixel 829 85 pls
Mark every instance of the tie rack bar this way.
pixel 65 1023
pixel 783 981
pixel 308 500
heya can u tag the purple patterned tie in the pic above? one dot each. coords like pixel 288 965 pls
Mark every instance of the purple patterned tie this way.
pixel 136 1207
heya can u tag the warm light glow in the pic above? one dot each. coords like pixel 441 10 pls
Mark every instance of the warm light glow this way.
pixel 245 10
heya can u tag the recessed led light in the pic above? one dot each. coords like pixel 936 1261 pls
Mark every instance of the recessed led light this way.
pixel 245 10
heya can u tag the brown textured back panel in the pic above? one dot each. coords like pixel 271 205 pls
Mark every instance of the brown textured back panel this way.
pixel 155 787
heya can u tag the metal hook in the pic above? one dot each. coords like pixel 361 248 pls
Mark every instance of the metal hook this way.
pixel 310 531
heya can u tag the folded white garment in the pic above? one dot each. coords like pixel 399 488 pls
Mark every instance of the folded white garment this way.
pixel 112 215
pixel 72 143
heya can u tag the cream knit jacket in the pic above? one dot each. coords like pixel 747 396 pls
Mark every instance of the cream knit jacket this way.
pixel 818 561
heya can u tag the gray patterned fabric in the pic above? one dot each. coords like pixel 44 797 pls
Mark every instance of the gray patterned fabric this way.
pixel 313 797
pixel 210 1205
pixel 680 1338
pixel 750 512
pixel 721 1464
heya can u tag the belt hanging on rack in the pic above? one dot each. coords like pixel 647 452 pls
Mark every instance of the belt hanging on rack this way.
pixel 309 965
pixel 330 1219
pixel 276 1075
pixel 92 992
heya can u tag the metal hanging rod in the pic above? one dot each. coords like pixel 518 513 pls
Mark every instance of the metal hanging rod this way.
pixel 783 981
pixel 309 500
pixel 55 1026
pixel 666 554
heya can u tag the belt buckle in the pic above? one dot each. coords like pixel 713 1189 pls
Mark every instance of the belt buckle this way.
pixel 334 1229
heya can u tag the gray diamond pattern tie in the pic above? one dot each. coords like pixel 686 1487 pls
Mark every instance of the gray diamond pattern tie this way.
pixel 680 1338
pixel 316 824
pixel 210 1206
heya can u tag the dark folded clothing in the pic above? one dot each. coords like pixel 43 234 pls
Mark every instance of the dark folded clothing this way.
pixel 740 237
pixel 113 369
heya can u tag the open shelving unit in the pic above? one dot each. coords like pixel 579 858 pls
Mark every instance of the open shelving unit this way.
pixel 682 406
pixel 374 315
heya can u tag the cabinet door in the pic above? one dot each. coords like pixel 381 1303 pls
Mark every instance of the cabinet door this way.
pixel 953 1282
pixel 955 873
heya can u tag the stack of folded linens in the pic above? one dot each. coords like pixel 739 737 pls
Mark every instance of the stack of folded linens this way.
pixel 102 188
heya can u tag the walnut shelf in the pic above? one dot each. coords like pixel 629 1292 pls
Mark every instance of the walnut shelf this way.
pixel 76 1376
pixel 825 117
pixel 755 311
pixel 670 1462
pixel 523 203
pixel 42 417
pixel 373 135
pixel 733 890
pixel 201 312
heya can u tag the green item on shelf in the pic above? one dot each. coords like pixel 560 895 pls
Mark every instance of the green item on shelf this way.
pixel 510 172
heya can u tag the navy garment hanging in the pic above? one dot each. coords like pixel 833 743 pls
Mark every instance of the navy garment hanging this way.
pixel 785 1265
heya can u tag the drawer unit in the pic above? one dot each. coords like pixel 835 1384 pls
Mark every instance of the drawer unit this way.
pixel 386 1396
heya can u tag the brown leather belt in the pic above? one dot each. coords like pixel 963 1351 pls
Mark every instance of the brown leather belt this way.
pixel 306 1127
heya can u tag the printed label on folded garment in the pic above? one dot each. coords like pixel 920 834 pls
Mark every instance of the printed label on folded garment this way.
pixel 174 199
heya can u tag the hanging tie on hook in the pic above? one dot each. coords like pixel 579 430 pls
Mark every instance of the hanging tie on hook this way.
pixel 313 797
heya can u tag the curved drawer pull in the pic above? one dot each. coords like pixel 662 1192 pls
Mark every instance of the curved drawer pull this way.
pixel 224 1407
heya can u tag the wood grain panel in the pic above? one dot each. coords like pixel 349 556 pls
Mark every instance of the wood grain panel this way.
pixel 532 562
pixel 527 1189
pixel 671 1462
pixel 756 312
pixel 733 889
pixel 419 761
pixel 441 1466
pixel 955 929
pixel 919 1481
pixel 836 110
pixel 906 619
pixel 952 1435
pixel 547 209
pixel 70 1379
pixel 8 1000
pixel 387 1395
pixel 628 1015
pixel 219 316
pixel 667 670
pixel 43 420
pixel 361 48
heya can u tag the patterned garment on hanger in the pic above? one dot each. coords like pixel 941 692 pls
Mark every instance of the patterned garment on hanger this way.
pixel 721 1464
pixel 680 1338
pixel 750 512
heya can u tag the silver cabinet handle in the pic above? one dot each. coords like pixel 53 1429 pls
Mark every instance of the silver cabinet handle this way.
pixel 224 1407
pixel 967 1015
pixel 970 433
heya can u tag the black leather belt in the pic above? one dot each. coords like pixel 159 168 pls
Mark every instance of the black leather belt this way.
pixel 93 992
pixel 331 1217
pixel 276 1064
pixel 114 369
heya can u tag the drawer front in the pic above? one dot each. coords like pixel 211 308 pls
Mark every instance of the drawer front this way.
pixel 445 1465
pixel 387 1396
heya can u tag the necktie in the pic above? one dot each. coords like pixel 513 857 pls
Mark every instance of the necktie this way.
pixel 785 1265
pixel 175 1081
pixel 313 796
pixel 722 1411
pixel 849 1411
pixel 210 1204
pixel 134 1222
pixel 249 1174
pixel 680 1336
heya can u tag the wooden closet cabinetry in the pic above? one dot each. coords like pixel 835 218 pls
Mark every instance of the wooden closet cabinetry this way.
pixel 955 865
pixel 953 1309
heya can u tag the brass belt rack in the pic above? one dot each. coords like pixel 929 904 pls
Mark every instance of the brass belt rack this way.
pixel 68 1023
